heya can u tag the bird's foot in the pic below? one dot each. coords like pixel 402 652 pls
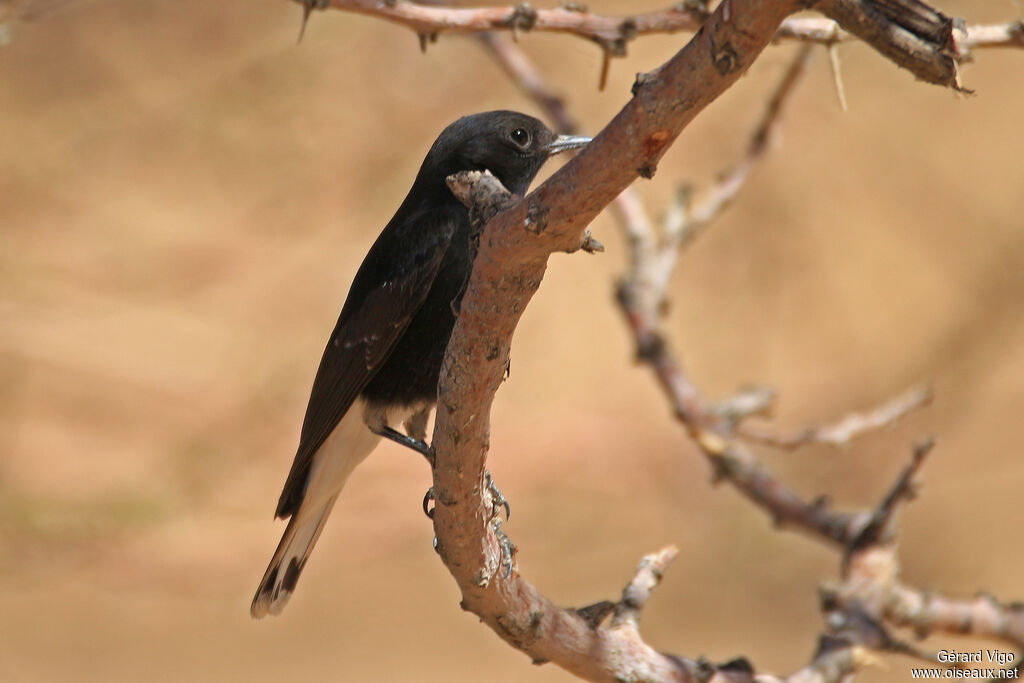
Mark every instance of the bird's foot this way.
pixel 508 548
pixel 498 503
pixel 498 500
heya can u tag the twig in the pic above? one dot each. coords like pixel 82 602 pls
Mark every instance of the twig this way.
pixel 648 575
pixel 871 580
pixel 736 465
pixel 837 75
pixel 992 35
pixel 927 613
pixel 847 428
pixel 731 181
pixel 882 525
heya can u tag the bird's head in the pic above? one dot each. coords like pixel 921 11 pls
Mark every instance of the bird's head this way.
pixel 510 145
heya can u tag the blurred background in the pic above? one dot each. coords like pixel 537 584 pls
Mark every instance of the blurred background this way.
pixel 185 195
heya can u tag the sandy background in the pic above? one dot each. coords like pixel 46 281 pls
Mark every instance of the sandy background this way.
pixel 184 197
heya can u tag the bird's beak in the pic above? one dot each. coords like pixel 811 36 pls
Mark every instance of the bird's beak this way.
pixel 563 143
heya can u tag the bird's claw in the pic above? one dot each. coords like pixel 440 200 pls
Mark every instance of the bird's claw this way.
pixel 498 500
pixel 428 510
pixel 508 548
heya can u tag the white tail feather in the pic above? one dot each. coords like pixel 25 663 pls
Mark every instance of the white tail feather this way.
pixel 297 543
pixel 347 446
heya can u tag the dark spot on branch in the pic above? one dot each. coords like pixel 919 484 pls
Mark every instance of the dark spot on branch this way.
pixel 650 347
pixel 698 8
pixel 828 644
pixel 536 219
pixel 739 665
pixel 596 613
pixel 828 597
pixel 719 470
pixel 627 31
pixel 647 171
pixel 705 670
pixel 493 352
pixel 524 17
pixel 640 81
pixel 724 58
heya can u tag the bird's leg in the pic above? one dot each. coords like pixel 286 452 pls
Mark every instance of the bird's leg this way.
pixel 418 445
pixel 421 447
pixel 415 438
pixel 376 419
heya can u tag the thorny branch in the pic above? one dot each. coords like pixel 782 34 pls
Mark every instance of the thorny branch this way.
pixel 908 32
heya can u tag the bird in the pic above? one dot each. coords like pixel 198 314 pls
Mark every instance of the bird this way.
pixel 380 367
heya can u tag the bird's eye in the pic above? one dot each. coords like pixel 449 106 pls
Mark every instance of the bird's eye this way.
pixel 521 137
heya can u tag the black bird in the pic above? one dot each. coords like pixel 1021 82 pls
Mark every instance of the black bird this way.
pixel 381 365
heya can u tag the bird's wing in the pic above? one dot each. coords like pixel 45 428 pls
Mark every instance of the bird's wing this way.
pixel 390 288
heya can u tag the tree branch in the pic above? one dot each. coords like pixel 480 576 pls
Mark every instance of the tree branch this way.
pixel 909 33
pixel 847 428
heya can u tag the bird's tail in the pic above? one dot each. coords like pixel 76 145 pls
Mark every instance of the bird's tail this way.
pixel 296 544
